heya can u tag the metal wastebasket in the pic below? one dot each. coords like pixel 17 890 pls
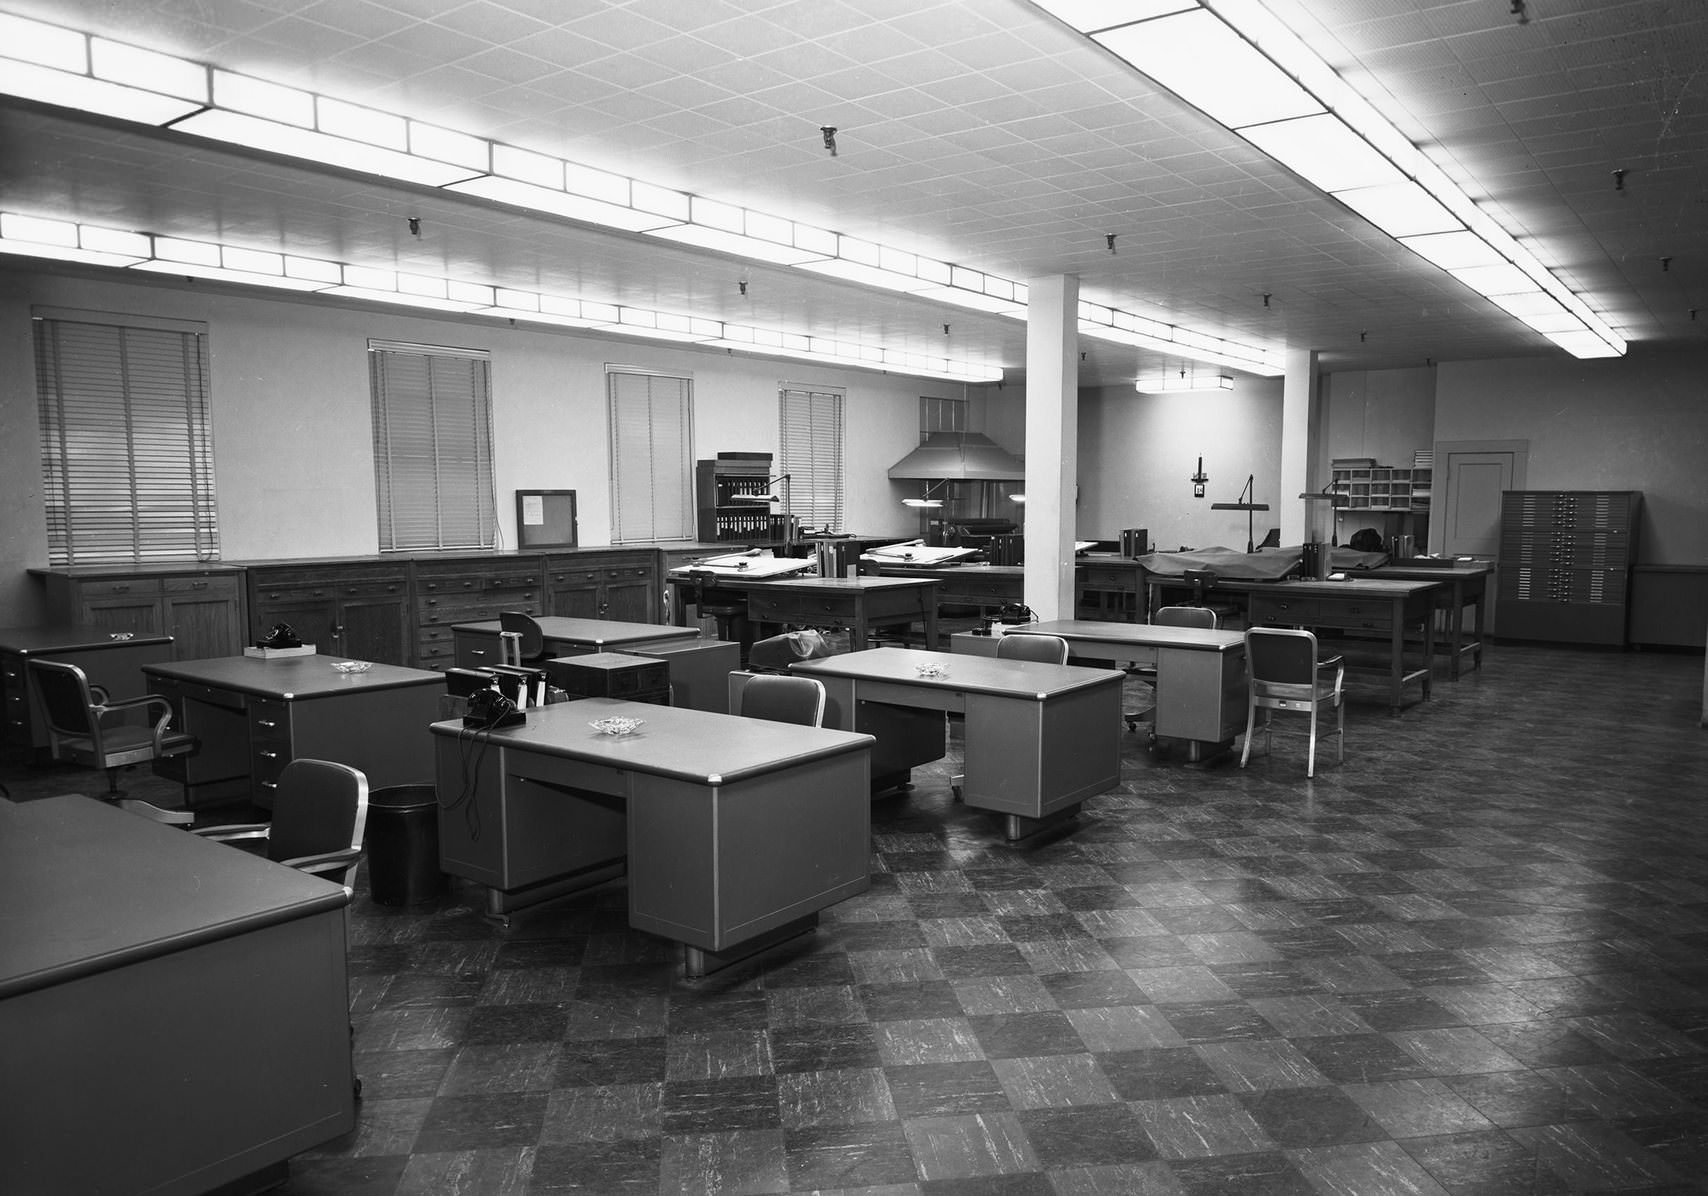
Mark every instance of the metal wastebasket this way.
pixel 402 839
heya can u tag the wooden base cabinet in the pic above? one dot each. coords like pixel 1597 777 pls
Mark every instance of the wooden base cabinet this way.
pixel 618 585
pixel 358 610
pixel 199 606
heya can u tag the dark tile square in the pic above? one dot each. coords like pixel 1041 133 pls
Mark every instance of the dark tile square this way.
pixel 1300 1117
pixel 985 959
pixel 878 936
pixel 720 1104
pixel 1400 1010
pixel 947 905
pixel 482 1120
pixel 626 1167
pixel 1159 1073
pixel 943 1089
pixel 1087 1136
pixel 1084 990
pixel 1217 1021
pixel 1360 1058
pixel 1265 978
pixel 1266 1174
pixel 909 1000
pixel 587 1062
pixel 823 1048
pixel 847 1157
pixel 516 1023
pixel 691 1012
pixel 1016 1035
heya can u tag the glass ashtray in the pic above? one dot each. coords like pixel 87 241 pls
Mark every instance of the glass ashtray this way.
pixel 352 666
pixel 617 725
pixel 120 635
pixel 931 670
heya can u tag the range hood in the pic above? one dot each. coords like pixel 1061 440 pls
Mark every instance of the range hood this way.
pixel 959 456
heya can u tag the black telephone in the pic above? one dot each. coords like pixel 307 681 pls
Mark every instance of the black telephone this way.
pixel 281 635
pixel 488 709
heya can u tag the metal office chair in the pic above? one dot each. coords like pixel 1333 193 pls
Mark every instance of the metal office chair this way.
pixel 520 640
pixel 1167 616
pixel 84 726
pixel 1050 649
pixel 1284 673
pixel 783 699
pixel 320 810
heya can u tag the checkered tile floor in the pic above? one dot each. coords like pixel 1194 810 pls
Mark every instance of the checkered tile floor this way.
pixel 1473 959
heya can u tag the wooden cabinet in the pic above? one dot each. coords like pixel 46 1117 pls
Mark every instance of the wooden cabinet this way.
pixel 621 584
pixel 718 485
pixel 356 609
pixel 200 607
pixel 1565 564
pixel 469 590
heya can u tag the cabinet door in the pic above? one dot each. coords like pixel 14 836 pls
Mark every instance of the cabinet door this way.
pixel 121 612
pixel 576 595
pixel 203 618
pixel 374 628
pixel 313 617
pixel 630 597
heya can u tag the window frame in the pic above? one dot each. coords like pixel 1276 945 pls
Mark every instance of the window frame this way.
pixel 813 455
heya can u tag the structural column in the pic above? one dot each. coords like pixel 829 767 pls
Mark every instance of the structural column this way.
pixel 1299 439
pixel 1052 443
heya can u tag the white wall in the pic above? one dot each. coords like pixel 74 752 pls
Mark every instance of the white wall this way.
pixel 292 431
pixel 1137 454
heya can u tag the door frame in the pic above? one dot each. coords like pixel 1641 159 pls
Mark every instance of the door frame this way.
pixel 1444 449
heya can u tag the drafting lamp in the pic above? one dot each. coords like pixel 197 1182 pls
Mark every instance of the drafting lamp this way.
pixel 1250 508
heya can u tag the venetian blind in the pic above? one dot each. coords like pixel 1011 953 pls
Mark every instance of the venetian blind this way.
pixel 432 413
pixel 126 438
pixel 652 456
pixel 810 429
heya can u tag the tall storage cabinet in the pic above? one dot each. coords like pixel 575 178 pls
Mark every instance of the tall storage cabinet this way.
pixel 723 518
pixel 1565 564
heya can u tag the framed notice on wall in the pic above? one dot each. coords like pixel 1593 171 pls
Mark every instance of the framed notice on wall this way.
pixel 545 519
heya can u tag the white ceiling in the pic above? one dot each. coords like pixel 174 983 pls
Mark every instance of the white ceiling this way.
pixel 980 132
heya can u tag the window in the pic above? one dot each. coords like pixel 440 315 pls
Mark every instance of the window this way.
pixel 810 428
pixel 127 445
pixel 652 455
pixel 432 446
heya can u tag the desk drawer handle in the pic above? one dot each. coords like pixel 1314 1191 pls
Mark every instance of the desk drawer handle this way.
pixel 266 722
pixel 268 755
pixel 198 585
pixel 477 652
pixel 269 784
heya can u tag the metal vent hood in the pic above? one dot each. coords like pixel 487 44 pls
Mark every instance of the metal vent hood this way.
pixel 960 456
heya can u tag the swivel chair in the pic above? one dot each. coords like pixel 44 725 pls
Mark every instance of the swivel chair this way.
pixel 320 810
pixel 724 612
pixel 84 726
pixel 520 640
pixel 783 699
pixel 1284 674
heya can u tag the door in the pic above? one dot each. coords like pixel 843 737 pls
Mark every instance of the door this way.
pixel 1470 509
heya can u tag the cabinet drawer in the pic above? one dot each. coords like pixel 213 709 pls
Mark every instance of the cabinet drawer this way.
pixel 1360 616
pixel 212 587
pixel 269 740
pixel 126 587
pixel 459 609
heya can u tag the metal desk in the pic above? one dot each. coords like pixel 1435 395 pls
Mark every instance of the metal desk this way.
pixel 254 716
pixel 112 662
pixel 734 832
pixel 1040 738
pixel 1463 583
pixel 859 604
pixel 174 1013
pixel 476 644
pixel 1200 673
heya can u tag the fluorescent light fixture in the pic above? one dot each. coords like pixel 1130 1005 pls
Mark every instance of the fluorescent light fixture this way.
pixel 377 295
pixel 269 101
pixel 1183 381
pixel 561 203
pixel 1400 209
pixel 972 300
pixel 221 274
pixel 867 275
pixel 1208 64
pixel 253 132
pixel 922 502
pixel 44 45
pixel 1241 66
pixel 65 241
pixel 148 70
pixel 48 86
pixel 335 118
pixel 736 244
pixel 1324 151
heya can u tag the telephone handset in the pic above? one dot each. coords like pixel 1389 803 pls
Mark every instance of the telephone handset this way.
pixel 489 709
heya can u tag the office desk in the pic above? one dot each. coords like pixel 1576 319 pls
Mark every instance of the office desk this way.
pixel 476 644
pixel 253 717
pixel 113 664
pixel 1040 738
pixel 735 832
pixel 1200 673
pixel 859 604
pixel 174 1013
pixel 1357 604
pixel 1463 583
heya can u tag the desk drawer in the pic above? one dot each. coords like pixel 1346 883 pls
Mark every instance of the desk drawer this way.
pixel 269 742
pixel 975 592
pixel 797 608
pixel 1357 616
pixel 179 692
pixel 122 587
pixel 1267 608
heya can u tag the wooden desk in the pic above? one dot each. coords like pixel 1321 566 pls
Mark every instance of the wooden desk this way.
pixel 859 604
pixel 1107 585
pixel 113 664
pixel 1200 673
pixel 253 717
pixel 1040 738
pixel 174 1013
pixel 735 832
pixel 477 644
pixel 1463 583
pixel 986 588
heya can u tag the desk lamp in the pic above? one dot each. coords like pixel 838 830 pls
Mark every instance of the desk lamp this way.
pixel 768 499
pixel 1250 508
